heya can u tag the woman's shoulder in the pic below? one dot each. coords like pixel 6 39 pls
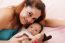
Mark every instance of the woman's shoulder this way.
pixel 6 15
pixel 54 22
pixel 6 10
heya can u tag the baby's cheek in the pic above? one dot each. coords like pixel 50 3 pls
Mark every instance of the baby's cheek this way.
pixel 34 33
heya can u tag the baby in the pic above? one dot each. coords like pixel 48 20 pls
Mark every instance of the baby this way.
pixel 33 30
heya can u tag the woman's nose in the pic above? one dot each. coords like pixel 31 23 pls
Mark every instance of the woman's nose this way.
pixel 30 20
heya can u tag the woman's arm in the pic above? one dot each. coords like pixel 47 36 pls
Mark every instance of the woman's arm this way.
pixel 53 22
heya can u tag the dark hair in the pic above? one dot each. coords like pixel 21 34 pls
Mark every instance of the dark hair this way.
pixel 41 27
pixel 41 7
pixel 38 5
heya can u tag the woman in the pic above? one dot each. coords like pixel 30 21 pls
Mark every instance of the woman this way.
pixel 13 19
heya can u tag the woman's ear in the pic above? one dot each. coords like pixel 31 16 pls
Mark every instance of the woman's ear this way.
pixel 47 37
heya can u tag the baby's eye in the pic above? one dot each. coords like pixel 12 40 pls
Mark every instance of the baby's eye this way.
pixel 35 30
pixel 31 27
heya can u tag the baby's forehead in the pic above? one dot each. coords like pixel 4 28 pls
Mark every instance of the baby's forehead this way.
pixel 35 24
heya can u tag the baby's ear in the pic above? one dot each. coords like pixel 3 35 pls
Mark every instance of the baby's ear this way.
pixel 47 37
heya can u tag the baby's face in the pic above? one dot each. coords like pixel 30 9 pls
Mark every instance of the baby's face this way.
pixel 34 28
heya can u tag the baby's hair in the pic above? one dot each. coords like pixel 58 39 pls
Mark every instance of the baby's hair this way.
pixel 37 23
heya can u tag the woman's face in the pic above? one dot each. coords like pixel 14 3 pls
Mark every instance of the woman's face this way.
pixel 29 14
pixel 34 28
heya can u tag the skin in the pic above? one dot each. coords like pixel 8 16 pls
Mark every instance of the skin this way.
pixel 30 15
pixel 5 14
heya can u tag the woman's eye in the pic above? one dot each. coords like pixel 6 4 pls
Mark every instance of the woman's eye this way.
pixel 30 14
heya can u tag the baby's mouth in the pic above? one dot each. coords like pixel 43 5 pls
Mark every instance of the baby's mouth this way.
pixel 31 32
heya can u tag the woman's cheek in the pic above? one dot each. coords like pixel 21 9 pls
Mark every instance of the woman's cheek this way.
pixel 23 14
